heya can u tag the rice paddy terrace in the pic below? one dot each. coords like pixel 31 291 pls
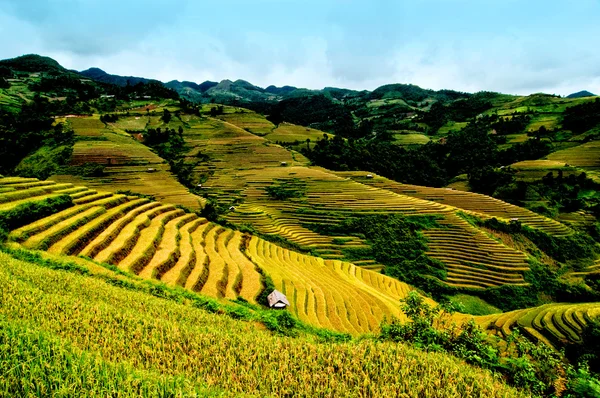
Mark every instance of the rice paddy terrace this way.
pixel 481 205
pixel 553 324
pixel 128 164
pixel 160 241
pixel 242 166
pixel 235 165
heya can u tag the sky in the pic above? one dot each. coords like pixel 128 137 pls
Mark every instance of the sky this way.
pixel 510 46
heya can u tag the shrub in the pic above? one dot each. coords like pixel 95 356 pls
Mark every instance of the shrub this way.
pixel 29 212
pixel 293 188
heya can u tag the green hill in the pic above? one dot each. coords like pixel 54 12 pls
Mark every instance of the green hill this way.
pixel 581 94
pixel 33 63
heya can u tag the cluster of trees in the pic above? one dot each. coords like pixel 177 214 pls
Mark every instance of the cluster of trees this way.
pixel 64 85
pixel 109 118
pixel 317 111
pixel 472 151
pixel 582 118
pixel 24 132
pixel 507 125
pixel 216 110
pixel 560 193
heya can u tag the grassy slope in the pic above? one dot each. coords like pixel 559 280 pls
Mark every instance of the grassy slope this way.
pixel 98 339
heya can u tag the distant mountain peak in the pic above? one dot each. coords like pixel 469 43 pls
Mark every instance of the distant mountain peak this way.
pixel 104 77
pixel 581 94
pixel 94 70
pixel 33 63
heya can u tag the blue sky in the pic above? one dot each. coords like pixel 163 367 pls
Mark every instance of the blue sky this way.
pixel 511 46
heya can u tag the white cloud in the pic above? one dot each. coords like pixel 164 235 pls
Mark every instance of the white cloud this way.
pixel 178 44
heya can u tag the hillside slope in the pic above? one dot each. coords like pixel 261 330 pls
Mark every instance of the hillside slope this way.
pixel 162 242
pixel 126 341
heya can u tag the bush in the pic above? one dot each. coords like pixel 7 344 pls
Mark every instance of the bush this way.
pixel 537 368
pixel 29 212
pixel 293 188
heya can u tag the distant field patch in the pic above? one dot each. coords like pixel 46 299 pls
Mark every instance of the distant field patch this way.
pixel 451 126
pixel 87 127
pixel 252 122
pixel 548 121
pixel 132 122
pixel 586 155
pixel 411 139
pixel 287 132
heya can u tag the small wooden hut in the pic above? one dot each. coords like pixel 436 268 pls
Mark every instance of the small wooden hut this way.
pixel 277 300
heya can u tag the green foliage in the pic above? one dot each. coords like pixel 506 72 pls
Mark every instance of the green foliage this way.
pixel 29 212
pixel 582 383
pixel 281 321
pixel 166 117
pixel 394 241
pixel 287 189
pixel 44 162
pixel 468 304
pixel 535 367
pixel 587 351
pixel 22 133
pixel 317 111
pixel 87 169
pixel 582 117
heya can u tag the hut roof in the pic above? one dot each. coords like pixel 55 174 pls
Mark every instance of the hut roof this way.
pixel 277 297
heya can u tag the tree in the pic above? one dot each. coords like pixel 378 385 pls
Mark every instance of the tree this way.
pixel 166 117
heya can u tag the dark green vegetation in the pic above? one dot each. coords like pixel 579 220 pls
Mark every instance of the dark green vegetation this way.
pixel 581 94
pixel 471 151
pixel 583 117
pixel 29 212
pixel 287 189
pixel 394 240
pixel 537 368
pixel 22 133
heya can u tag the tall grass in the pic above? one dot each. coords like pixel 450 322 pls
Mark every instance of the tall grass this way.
pixel 34 363
pixel 123 340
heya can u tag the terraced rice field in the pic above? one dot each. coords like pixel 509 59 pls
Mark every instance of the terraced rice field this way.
pixel 481 261
pixel 287 132
pixel 329 293
pixel 554 324
pixel 481 205
pixel 249 121
pixel 536 169
pixel 585 155
pixel 160 241
pixel 472 259
pixel 592 269
pixel 328 199
pixel 127 163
